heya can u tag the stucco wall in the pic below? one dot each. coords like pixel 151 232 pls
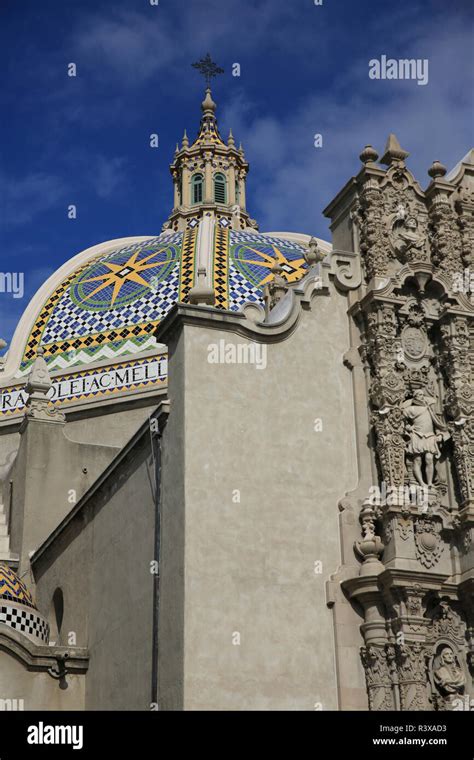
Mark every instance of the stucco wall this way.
pixel 110 426
pixel 38 690
pixel 103 425
pixel 261 493
pixel 102 563
pixel 49 475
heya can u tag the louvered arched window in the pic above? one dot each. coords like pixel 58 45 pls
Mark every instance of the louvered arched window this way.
pixel 196 188
pixel 219 188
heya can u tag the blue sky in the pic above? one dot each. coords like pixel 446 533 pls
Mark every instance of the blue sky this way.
pixel 304 70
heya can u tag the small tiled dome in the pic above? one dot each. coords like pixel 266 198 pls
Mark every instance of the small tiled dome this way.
pixel 13 589
pixel 17 609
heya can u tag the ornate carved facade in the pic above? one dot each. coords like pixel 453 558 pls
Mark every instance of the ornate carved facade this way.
pixel 413 323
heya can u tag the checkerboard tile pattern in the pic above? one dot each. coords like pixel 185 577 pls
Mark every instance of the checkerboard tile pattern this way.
pixel 70 321
pixel 187 264
pixel 241 289
pixel 254 238
pixel 221 268
pixel 26 622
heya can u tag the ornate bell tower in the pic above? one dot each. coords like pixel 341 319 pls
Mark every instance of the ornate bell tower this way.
pixel 209 175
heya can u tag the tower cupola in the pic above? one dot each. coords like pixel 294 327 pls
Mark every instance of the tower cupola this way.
pixel 209 175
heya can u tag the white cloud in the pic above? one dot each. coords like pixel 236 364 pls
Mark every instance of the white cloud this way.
pixel 137 45
pixel 133 45
pixel 291 181
pixel 23 198
pixel 108 175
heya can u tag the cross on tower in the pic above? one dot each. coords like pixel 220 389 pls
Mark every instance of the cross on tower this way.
pixel 207 68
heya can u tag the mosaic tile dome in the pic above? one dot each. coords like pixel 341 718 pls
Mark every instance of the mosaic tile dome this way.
pixel 17 609
pixel 110 303
pixel 13 589
pixel 108 306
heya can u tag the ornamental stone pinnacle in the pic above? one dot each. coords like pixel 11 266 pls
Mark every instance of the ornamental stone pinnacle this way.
pixel 437 169
pixel 276 288
pixel 3 344
pixel 394 153
pixel 201 294
pixel 369 155
pixel 313 254
pixel 38 405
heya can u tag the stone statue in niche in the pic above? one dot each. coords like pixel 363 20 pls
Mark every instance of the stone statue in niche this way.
pixel 448 676
pixel 425 430
pixel 405 235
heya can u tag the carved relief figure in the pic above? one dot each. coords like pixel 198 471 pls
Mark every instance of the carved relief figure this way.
pixel 405 234
pixel 448 676
pixel 422 424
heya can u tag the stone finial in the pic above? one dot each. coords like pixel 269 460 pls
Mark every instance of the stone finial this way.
pixel 185 141
pixel 275 289
pixel 369 155
pixel 230 140
pixel 176 149
pixel 276 270
pixel 371 547
pixel 437 169
pixel 38 385
pixel 313 254
pixel 394 153
pixel 208 103
pixel 2 358
pixel 201 293
pixel 39 379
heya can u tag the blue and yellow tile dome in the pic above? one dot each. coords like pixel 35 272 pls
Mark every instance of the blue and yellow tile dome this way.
pixel 13 589
pixel 109 304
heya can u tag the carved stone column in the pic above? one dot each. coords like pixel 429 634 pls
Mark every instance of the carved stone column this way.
pixel 372 243
pixel 412 670
pixel 386 392
pixel 445 234
pixel 455 358
pixel 377 673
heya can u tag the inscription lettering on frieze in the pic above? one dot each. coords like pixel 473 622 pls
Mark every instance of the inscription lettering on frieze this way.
pixel 90 384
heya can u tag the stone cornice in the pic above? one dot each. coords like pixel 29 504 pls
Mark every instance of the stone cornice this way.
pixel 41 657
pixel 281 322
pixel 345 194
pixel 454 303
pixel 426 579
